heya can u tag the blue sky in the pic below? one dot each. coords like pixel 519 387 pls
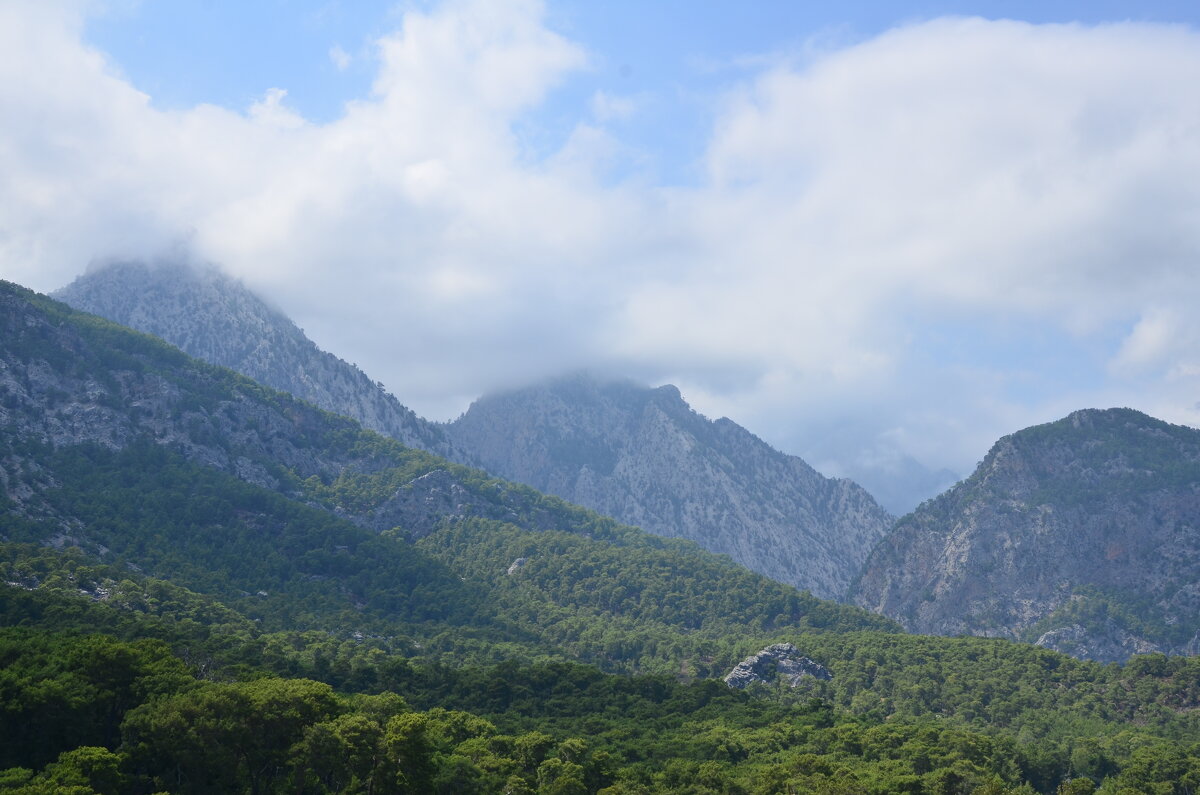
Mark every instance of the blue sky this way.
pixel 878 235
pixel 678 55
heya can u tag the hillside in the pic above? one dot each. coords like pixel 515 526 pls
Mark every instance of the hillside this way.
pixel 207 586
pixel 112 440
pixel 1082 535
pixel 217 319
pixel 645 457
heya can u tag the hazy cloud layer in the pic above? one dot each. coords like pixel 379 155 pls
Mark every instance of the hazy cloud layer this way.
pixel 905 247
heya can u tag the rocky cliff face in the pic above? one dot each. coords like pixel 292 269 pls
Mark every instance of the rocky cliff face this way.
pixel 646 458
pixel 215 318
pixel 1082 535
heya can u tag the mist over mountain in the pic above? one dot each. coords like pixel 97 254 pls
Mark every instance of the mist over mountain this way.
pixel 1082 535
pixel 644 456
pixel 216 318
pixel 640 455
pixel 900 482
pixel 117 443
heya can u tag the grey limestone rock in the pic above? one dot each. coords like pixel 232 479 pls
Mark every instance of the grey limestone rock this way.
pixel 1082 535
pixel 646 458
pixel 216 318
pixel 779 662
pixel 1108 642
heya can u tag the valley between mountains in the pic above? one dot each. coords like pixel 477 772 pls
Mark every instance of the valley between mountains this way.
pixel 277 578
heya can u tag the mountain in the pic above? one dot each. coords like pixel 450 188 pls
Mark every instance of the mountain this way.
pixel 1082 535
pixel 213 317
pixel 645 457
pixel 114 442
pixel 208 586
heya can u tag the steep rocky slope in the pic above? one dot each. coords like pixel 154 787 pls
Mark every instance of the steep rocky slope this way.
pixel 215 318
pixel 1082 535
pixel 645 457
pixel 70 379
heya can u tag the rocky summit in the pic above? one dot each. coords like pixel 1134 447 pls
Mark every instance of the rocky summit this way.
pixel 1082 535
pixel 645 457
pixel 781 662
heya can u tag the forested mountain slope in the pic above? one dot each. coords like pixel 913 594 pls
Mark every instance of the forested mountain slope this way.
pixel 217 319
pixel 112 440
pixel 207 586
pixel 645 457
pixel 1082 535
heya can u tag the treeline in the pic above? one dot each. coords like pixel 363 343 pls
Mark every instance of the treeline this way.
pixel 91 714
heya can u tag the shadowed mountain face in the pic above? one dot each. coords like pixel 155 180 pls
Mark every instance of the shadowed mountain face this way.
pixel 215 318
pixel 644 456
pixel 1082 535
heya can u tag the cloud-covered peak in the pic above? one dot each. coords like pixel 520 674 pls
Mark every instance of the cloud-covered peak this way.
pixel 905 246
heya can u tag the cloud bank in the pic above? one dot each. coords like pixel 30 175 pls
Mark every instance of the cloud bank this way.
pixel 900 249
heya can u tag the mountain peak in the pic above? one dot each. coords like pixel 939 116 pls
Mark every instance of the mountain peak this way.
pixel 644 456
pixel 212 316
pixel 1064 526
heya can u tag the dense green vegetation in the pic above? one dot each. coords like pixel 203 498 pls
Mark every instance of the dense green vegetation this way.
pixel 96 714
pixel 169 627
pixel 189 676
pixel 629 604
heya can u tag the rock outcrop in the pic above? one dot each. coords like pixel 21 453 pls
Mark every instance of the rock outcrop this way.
pixel 781 662
pixel 1082 535
pixel 646 458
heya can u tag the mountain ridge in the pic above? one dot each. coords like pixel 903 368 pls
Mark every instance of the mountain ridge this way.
pixel 214 317
pixel 115 442
pixel 679 473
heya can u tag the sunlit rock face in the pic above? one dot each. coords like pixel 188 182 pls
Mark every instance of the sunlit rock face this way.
pixel 645 457
pixel 1082 535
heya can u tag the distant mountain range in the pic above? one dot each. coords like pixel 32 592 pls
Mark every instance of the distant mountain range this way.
pixel 207 585
pixel 634 453
pixel 113 442
pixel 1082 535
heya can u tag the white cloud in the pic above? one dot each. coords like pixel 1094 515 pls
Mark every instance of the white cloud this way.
pixel 611 107
pixel 960 175
pixel 339 58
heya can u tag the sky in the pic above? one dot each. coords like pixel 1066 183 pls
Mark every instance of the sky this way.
pixel 878 235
